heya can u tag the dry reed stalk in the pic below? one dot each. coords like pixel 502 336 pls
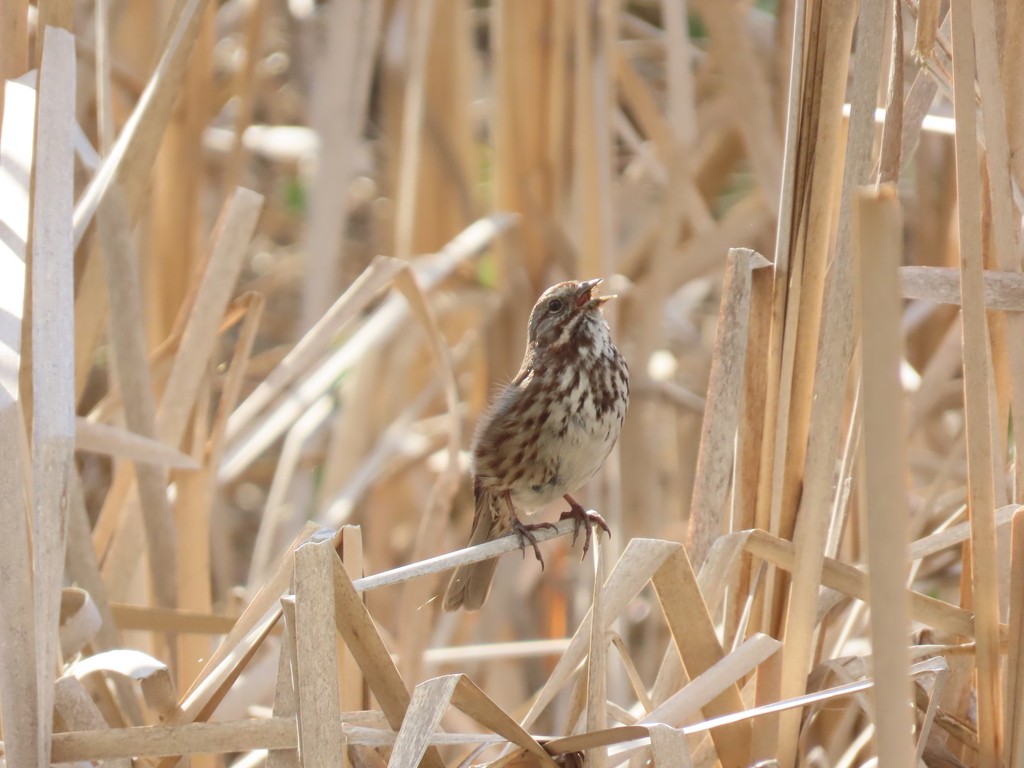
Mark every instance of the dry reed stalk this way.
pixel 450 560
pixel 91 311
pixel 890 153
pixel 337 116
pixel 778 363
pixel 350 678
pixel 1014 328
pixel 420 21
pixel 159 741
pixel 319 714
pixel 878 233
pixel 836 345
pixel 522 59
pixel 597 660
pixel 667 563
pixel 1004 214
pixel 445 195
pixel 984 585
pixel 132 154
pixel 927 27
pixel 1013 747
pixel 133 374
pixel 851 581
pixel 709 507
pixel 230 245
pixel 699 648
pixel 750 437
pixel 1012 81
pixel 234 378
pixel 954 534
pixel 22 727
pixel 170 620
pixel 915 109
pixel 286 700
pixel 941 285
pixel 595 226
pixel 194 499
pixel 820 136
pixel 96 437
pixel 1001 242
pixel 256 12
pixel 173 216
pixel 52 361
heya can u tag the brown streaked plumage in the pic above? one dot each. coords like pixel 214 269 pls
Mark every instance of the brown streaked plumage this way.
pixel 549 430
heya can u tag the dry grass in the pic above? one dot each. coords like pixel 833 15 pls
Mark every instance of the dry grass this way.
pixel 262 264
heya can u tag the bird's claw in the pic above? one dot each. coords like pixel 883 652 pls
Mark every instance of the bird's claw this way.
pixel 525 534
pixel 586 520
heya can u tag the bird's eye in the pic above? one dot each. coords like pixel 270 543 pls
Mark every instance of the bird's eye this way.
pixel 554 305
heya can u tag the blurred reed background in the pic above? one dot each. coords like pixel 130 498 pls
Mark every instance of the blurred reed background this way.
pixel 263 262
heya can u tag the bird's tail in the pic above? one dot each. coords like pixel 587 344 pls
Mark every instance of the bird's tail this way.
pixel 470 584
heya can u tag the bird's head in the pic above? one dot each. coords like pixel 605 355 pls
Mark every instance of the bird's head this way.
pixel 565 309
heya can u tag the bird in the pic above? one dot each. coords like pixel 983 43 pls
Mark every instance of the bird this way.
pixel 547 432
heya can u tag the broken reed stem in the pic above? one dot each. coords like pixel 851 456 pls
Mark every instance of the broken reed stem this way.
pixel 709 508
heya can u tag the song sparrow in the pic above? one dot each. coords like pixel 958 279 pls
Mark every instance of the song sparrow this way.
pixel 548 432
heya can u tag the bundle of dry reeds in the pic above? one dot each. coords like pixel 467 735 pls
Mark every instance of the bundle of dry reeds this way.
pixel 262 264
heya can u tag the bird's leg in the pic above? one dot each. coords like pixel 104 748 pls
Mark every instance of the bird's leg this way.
pixel 525 531
pixel 583 519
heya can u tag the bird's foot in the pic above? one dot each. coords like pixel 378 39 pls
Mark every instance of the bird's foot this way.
pixel 525 533
pixel 583 519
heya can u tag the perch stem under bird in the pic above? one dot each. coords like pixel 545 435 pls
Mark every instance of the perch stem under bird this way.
pixel 460 557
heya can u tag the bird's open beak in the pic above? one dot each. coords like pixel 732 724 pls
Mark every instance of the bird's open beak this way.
pixel 586 298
